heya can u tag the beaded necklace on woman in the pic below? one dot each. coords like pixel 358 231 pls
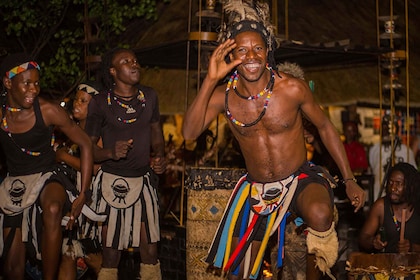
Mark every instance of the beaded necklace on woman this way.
pixel 268 89
pixel 6 129
pixel 129 108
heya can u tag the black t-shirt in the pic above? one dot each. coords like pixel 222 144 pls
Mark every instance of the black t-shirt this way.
pixel 110 119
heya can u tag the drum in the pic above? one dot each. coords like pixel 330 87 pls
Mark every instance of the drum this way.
pixel 362 266
pixel 208 191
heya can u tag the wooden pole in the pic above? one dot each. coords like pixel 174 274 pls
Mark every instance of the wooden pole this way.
pixel 402 230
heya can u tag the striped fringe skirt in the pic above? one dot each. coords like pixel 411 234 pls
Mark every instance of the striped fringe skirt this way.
pixel 128 202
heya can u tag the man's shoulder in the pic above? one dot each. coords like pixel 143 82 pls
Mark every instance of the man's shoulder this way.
pixel 293 89
pixel 378 205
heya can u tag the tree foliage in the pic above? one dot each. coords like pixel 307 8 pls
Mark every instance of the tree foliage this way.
pixel 52 31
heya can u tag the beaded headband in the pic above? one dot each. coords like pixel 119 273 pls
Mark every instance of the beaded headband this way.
pixel 22 68
pixel 249 15
pixel 249 25
pixel 88 89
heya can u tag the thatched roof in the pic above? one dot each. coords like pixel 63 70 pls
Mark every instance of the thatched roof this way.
pixel 334 41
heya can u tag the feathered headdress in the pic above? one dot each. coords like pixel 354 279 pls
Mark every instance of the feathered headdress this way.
pixel 247 15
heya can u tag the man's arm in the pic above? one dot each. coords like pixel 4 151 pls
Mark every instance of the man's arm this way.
pixel 207 105
pixel 368 237
pixel 120 150
pixel 158 162
pixel 334 145
pixel 201 111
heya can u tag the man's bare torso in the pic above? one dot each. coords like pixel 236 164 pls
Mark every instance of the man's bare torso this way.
pixel 273 148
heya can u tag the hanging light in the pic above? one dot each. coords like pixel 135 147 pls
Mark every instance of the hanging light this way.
pixel 205 34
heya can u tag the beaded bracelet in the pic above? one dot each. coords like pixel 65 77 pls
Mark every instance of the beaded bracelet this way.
pixel 344 181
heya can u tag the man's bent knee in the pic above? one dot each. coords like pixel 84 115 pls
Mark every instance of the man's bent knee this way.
pixel 315 206
pixel 318 215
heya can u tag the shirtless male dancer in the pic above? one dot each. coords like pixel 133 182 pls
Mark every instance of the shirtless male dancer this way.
pixel 264 110
pixel 33 195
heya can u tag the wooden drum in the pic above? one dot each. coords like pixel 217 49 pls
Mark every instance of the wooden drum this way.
pixel 363 266
pixel 208 191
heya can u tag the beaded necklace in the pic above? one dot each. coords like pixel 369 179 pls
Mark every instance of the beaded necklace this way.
pixel 235 77
pixel 396 223
pixel 270 86
pixel 12 109
pixel 28 152
pixel 129 108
